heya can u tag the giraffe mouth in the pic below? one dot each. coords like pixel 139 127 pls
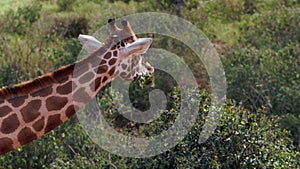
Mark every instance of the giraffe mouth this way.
pixel 138 77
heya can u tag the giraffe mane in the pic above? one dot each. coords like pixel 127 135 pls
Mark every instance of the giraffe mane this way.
pixel 33 85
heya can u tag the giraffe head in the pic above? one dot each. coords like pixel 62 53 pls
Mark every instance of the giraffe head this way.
pixel 131 64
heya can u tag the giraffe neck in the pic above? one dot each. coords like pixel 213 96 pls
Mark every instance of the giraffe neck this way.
pixel 32 109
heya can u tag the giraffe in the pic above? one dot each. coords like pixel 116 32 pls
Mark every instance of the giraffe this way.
pixel 31 109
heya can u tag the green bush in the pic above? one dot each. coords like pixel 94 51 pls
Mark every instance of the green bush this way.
pixel 66 54
pixel 11 74
pixel 65 5
pixel 17 21
pixel 262 69
pixel 68 25
pixel 241 140
pixel 265 79
pixel 272 29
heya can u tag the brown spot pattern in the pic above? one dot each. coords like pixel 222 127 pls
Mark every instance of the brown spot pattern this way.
pixel 39 125
pixel 104 79
pixel 96 84
pixel 124 66
pixel 112 61
pixel 26 136
pixel 114 47
pixel 56 103
pixel 122 43
pixel 17 101
pixel 81 96
pixel 42 92
pixel 115 53
pixel 107 55
pixel 63 80
pixel 10 124
pixel 53 122
pixel 95 62
pixel 70 111
pixel 31 111
pixel 66 88
pixel 6 144
pixel 80 70
pixel 87 77
pixel 135 61
pixel 4 110
pixel 117 73
pixel 112 71
pixel 62 72
pixel 102 69
pixel 129 69
pixel 102 62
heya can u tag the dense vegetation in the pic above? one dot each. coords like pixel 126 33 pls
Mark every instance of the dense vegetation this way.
pixel 258 41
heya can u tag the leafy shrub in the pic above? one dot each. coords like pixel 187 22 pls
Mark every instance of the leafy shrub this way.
pixel 66 54
pixel 257 77
pixel 65 5
pixel 242 140
pixel 69 26
pixel 77 26
pixel 226 11
pixel 265 79
pixel 17 21
pixel 169 6
pixel 272 29
pixel 11 74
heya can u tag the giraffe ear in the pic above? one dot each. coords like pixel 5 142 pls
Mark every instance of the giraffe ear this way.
pixel 89 43
pixel 140 46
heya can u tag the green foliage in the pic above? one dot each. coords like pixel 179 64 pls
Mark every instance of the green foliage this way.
pixel 274 30
pixel 266 79
pixel 17 21
pixel 242 140
pixel 65 5
pixel 68 25
pixel 67 54
pixel 173 7
pixel 224 10
pixel 260 52
pixel 11 74
pixel 291 122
